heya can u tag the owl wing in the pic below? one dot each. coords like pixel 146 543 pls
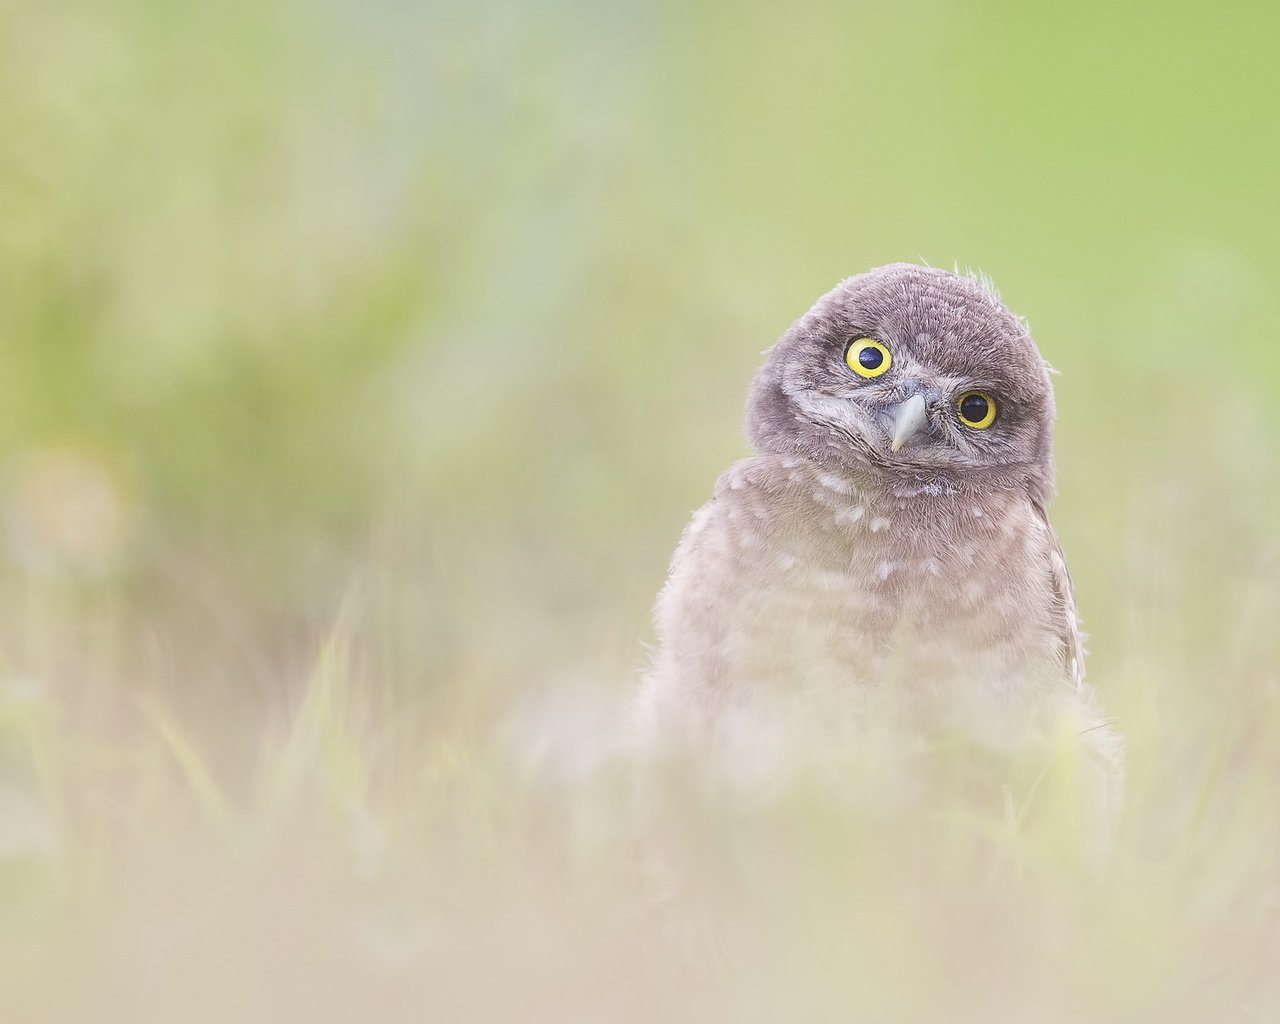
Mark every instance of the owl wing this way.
pixel 1064 604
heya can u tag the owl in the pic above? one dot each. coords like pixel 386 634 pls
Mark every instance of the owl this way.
pixel 881 574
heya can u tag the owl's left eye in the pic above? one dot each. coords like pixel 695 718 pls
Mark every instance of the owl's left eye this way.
pixel 867 357
pixel 977 409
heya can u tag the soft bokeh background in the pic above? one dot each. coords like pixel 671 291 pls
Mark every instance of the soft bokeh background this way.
pixel 359 366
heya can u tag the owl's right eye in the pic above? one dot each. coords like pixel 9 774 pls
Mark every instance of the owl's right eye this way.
pixel 867 357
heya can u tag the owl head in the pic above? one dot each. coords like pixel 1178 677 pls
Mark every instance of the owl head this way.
pixel 915 377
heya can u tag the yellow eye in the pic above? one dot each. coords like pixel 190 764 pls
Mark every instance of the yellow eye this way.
pixel 867 358
pixel 977 409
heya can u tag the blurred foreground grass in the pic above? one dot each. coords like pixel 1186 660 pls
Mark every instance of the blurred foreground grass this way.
pixel 359 366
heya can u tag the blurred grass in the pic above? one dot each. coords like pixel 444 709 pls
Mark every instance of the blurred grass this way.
pixel 359 366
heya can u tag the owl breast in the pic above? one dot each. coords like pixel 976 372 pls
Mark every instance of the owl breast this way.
pixel 799 595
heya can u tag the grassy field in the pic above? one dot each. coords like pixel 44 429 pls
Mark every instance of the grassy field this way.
pixel 359 367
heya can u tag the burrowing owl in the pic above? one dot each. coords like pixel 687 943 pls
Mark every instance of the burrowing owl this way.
pixel 884 560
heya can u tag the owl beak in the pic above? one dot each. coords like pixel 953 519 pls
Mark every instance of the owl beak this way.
pixel 909 419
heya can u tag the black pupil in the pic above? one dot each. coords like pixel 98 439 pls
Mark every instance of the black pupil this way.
pixel 974 408
pixel 870 358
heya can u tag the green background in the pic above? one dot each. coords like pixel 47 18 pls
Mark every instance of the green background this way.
pixel 419 329
pixel 510 267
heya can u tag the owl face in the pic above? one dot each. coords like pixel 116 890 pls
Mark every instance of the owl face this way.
pixel 915 375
